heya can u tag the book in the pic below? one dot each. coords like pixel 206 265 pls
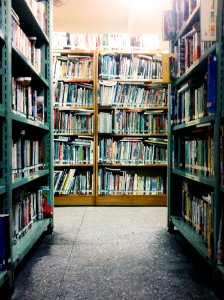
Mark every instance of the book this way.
pixel 208 15
pixel 212 79
pixel 169 25
pixel 5 252
pixel 47 202
pixel 220 244
pixel 40 108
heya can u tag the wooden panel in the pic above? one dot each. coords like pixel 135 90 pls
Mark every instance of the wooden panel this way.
pixel 132 200
pixel 73 200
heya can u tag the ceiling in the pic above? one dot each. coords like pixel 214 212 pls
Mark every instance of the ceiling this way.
pixel 104 16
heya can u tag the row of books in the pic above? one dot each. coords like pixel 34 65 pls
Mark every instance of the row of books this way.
pixel 132 151
pixel 27 157
pixel 73 94
pixel 196 156
pixel 75 151
pixel 188 50
pixel 26 209
pixel 130 66
pixel 76 121
pixel 110 41
pixel 73 182
pixel 133 95
pixel 25 44
pixel 73 66
pixel 192 41
pixel 196 98
pixel 25 100
pixel 132 121
pixel 38 9
pixel 177 16
pixel 197 211
pixel 118 182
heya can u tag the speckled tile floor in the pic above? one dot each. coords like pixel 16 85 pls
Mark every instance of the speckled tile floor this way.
pixel 119 253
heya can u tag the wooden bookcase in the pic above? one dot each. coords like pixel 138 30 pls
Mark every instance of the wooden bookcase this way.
pixel 26 167
pixel 195 198
pixel 74 99
pixel 156 87
pixel 132 96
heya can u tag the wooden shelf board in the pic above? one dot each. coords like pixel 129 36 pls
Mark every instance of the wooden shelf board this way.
pixel 131 200
pixel 86 80
pixel 132 108
pixel 73 165
pixel 60 51
pixel 61 108
pixel 73 133
pixel 73 200
pixel 23 245
pixel 162 165
pixel 133 134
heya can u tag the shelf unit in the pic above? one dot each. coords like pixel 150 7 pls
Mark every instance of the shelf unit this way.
pixel 66 83
pixel 74 126
pixel 195 154
pixel 26 162
pixel 132 102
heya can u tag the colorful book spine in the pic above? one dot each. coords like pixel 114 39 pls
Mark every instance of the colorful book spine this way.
pixel 75 121
pixel 128 95
pixel 73 181
pixel 73 94
pixel 26 157
pixel 75 151
pixel 73 67
pixel 133 67
pixel 120 182
pixel 131 151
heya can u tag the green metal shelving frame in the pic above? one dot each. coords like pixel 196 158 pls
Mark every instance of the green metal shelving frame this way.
pixel 174 220
pixel 9 120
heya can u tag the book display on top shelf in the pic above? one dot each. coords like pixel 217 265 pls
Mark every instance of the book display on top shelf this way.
pixel 26 180
pixel 195 147
pixel 102 41
pixel 74 127
pixel 132 128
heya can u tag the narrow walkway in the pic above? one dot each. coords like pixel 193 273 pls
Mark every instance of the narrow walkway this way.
pixel 119 253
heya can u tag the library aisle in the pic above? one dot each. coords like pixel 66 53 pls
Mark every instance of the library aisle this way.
pixel 112 253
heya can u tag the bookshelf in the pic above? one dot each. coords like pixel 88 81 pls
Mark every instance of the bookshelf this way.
pixel 132 128
pixel 74 127
pixel 148 108
pixel 26 163
pixel 195 147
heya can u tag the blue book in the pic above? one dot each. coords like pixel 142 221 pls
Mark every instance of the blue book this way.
pixel 5 253
pixel 212 75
